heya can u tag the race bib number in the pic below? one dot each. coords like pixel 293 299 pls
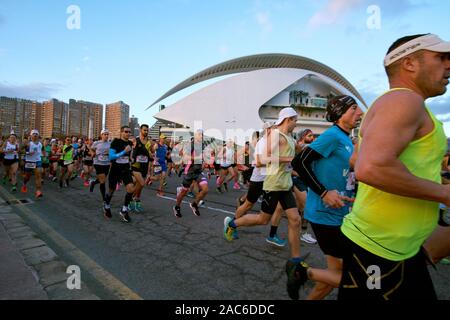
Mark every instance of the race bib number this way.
pixel 123 160
pixel 142 159
pixel 30 165
pixel 103 157
pixel 67 162
pixel 158 169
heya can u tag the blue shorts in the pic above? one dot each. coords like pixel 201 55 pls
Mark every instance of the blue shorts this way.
pixel 32 166
pixel 163 169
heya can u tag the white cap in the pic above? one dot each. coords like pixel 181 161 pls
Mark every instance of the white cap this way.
pixel 34 132
pixel 286 113
pixel 430 42
pixel 104 131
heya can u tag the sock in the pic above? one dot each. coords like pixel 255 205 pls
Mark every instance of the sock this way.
pixel 124 208
pixel 103 191
pixel 295 260
pixel 128 198
pixel 232 224
pixel 273 231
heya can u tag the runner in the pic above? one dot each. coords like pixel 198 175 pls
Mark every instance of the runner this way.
pixel 54 156
pixel 119 155
pixel 193 173
pixel 397 204
pixel 226 166
pixel 11 161
pixel 277 187
pixel 46 151
pixel 160 165
pixel 66 163
pixel 88 162
pixel 100 153
pixel 33 164
pixel 140 166
pixel 324 166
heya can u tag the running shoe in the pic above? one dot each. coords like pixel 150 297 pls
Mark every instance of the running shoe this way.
pixel 236 186
pixel 160 193
pixel 86 183
pixel 194 208
pixel 191 195
pixel 276 241
pixel 177 211
pixel 225 186
pixel 38 194
pixel 165 183
pixel 54 179
pixel 24 189
pixel 91 185
pixel 201 203
pixel 445 261
pixel 117 187
pixel 296 277
pixel 308 238
pixel 107 210
pixel 124 215
pixel 138 206
pixel 132 205
pixel 227 230
pixel 219 190
pixel 14 189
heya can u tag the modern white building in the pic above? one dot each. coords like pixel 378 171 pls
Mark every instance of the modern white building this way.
pixel 258 88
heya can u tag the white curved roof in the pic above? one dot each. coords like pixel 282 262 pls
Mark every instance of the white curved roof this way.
pixel 263 61
pixel 234 102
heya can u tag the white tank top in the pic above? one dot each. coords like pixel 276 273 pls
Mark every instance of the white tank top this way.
pixel 11 147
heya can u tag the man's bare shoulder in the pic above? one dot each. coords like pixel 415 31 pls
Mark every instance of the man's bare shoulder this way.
pixel 401 100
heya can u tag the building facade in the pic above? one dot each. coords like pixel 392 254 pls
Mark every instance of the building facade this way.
pixel 54 119
pixel 20 116
pixel 134 125
pixel 117 116
pixel 85 119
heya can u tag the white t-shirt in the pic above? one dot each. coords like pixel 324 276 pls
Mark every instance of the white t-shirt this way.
pixel 36 150
pixel 11 147
pixel 259 174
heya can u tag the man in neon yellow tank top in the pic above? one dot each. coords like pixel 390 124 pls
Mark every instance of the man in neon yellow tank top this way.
pixel 400 189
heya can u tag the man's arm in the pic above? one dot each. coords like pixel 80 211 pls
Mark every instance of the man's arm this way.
pixel 399 116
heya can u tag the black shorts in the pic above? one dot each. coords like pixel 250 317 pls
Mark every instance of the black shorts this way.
pixel 9 162
pixel 299 184
pixel 45 165
pixel 99 169
pixel 88 163
pixel 247 174
pixel 217 166
pixel 195 173
pixel 328 238
pixel 62 165
pixel 169 160
pixel 399 280
pixel 255 190
pixel 143 169
pixel 119 174
pixel 271 199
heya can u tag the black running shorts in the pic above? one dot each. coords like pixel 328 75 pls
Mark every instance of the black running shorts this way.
pixel 195 173
pixel 397 280
pixel 271 199
pixel 99 169
pixel 255 190
pixel 119 174
pixel 328 239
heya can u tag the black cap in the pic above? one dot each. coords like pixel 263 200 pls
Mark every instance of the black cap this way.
pixel 337 106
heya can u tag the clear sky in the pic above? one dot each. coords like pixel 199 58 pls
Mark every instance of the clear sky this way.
pixel 137 50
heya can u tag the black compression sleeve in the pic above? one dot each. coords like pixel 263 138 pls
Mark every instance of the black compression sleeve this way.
pixel 302 165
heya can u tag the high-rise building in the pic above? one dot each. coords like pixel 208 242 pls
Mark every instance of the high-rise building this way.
pixel 19 115
pixel 54 118
pixel 134 125
pixel 85 119
pixel 117 116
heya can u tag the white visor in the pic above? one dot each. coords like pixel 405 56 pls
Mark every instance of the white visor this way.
pixel 428 42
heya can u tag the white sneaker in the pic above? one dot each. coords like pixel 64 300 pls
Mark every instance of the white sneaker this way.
pixel 306 237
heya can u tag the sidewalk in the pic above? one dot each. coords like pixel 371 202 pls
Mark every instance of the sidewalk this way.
pixel 17 279
pixel 29 269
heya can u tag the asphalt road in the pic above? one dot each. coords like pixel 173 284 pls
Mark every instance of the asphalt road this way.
pixel 158 256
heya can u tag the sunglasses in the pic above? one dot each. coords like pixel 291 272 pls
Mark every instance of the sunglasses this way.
pixel 127 131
